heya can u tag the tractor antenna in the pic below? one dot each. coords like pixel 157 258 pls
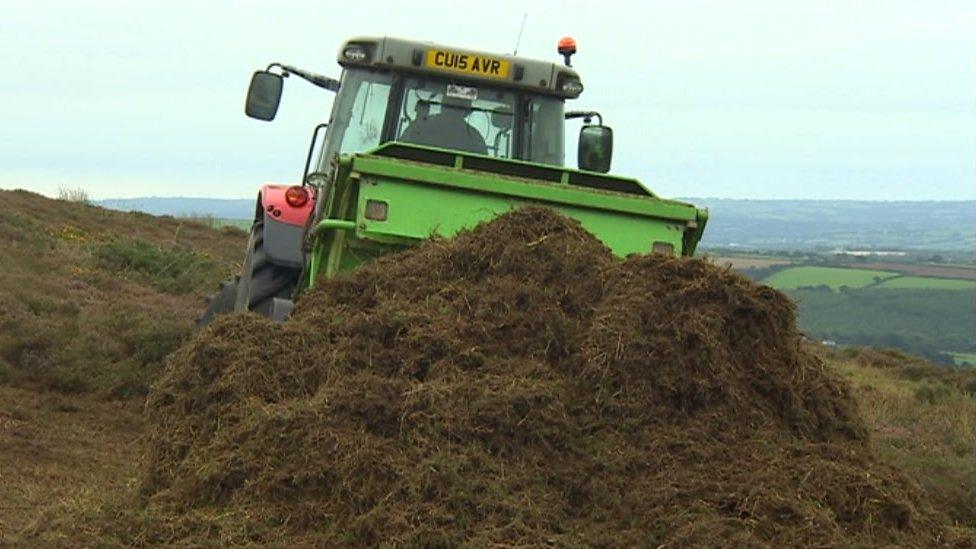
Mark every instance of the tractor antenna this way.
pixel 522 28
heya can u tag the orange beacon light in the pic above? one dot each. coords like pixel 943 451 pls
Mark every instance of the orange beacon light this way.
pixel 566 47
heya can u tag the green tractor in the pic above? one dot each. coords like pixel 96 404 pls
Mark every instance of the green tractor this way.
pixel 428 140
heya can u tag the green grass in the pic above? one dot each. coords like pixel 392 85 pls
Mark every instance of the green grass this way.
pixel 964 359
pixel 923 321
pixel 172 270
pixel 834 277
pixel 928 283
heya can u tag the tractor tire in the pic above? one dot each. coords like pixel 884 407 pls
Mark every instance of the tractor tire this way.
pixel 220 303
pixel 262 281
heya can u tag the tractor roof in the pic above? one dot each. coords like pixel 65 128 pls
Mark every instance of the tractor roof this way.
pixel 462 64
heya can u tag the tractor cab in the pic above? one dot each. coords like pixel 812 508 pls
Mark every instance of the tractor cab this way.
pixel 392 89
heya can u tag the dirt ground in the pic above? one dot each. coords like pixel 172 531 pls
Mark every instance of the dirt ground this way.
pixel 58 448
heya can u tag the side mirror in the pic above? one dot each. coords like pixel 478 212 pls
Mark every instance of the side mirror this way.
pixel 595 148
pixel 263 95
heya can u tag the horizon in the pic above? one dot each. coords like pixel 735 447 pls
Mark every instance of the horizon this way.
pixel 757 224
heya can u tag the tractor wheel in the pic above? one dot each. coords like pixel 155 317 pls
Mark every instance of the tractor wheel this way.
pixel 261 281
pixel 220 303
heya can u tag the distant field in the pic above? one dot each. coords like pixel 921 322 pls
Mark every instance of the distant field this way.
pixel 966 272
pixel 924 321
pixel 835 277
pixel 964 359
pixel 928 283
pixel 749 262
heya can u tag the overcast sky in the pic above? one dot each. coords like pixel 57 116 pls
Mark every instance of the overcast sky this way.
pixel 759 99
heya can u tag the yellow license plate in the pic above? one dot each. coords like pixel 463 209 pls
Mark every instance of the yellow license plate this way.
pixel 475 65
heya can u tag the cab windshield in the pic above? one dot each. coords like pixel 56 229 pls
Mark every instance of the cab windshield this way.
pixel 458 117
pixel 358 113
pixel 373 107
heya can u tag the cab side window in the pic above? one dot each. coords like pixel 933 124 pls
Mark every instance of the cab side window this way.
pixel 544 131
pixel 365 124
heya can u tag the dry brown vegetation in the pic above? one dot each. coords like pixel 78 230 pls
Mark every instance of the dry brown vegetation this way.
pixel 59 449
pixel 93 299
pixel 515 386
pixel 923 417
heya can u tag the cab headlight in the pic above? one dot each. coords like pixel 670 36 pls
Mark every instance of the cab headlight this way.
pixel 572 87
pixel 569 85
pixel 355 53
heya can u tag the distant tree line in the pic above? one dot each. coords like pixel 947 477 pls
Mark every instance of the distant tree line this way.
pixel 925 322
pixel 761 273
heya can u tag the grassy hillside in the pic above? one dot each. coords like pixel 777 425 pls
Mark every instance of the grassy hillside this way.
pixel 93 299
pixel 923 418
